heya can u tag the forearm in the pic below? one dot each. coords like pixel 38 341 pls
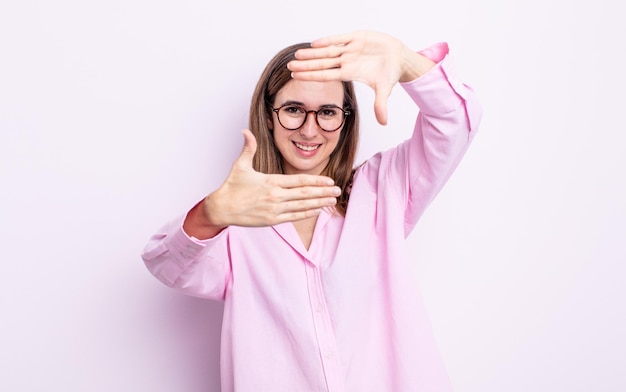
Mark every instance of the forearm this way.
pixel 414 65
pixel 198 222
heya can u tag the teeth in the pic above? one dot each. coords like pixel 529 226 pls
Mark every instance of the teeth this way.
pixel 307 148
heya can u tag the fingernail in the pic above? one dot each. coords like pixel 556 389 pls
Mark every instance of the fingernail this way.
pixel 331 201
pixel 330 181
pixel 336 191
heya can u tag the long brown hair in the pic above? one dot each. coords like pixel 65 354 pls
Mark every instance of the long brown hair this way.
pixel 268 159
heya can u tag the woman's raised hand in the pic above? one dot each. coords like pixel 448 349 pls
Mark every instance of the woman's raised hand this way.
pixel 250 198
pixel 373 58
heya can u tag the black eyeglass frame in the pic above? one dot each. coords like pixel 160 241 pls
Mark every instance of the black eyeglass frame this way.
pixel 346 113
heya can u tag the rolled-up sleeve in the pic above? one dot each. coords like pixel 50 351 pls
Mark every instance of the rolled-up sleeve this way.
pixel 195 267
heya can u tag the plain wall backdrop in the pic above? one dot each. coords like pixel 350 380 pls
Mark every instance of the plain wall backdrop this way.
pixel 116 116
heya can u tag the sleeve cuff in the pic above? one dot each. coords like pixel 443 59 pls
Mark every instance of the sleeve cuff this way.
pixel 437 91
pixel 436 52
pixel 184 248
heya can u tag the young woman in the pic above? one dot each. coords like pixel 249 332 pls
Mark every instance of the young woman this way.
pixel 308 252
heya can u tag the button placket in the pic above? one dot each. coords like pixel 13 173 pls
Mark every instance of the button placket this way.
pixel 325 335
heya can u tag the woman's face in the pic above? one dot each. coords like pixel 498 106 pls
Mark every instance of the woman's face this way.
pixel 307 149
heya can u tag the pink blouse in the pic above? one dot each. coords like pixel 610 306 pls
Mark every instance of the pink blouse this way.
pixel 344 315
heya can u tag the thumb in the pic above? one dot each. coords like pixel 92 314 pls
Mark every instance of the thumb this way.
pixel 380 103
pixel 248 150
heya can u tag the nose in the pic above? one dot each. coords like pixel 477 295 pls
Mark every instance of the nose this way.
pixel 310 128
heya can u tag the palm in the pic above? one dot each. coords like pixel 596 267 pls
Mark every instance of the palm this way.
pixel 250 198
pixel 367 57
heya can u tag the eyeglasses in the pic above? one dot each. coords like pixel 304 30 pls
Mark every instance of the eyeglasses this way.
pixel 329 118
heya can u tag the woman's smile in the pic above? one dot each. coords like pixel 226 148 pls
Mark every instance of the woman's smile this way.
pixel 308 148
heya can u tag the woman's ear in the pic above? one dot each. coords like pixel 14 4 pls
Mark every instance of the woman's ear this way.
pixel 270 124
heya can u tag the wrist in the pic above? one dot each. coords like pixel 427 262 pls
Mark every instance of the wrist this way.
pixel 200 221
pixel 414 65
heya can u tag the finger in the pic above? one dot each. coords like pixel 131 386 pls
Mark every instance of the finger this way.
pixel 248 150
pixel 318 53
pixel 300 180
pixel 380 103
pixel 310 193
pixel 380 110
pixel 314 64
pixel 318 195
pixel 323 75
pixel 337 39
pixel 306 205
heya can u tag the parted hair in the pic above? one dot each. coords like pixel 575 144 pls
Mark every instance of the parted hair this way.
pixel 268 158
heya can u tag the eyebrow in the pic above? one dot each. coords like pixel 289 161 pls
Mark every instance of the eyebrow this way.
pixel 298 103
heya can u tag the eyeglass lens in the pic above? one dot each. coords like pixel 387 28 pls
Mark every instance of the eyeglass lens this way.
pixel 329 118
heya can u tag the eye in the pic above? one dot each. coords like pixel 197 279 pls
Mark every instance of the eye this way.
pixel 328 112
pixel 293 110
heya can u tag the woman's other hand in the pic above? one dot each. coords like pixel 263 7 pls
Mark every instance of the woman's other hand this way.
pixel 376 59
pixel 250 198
